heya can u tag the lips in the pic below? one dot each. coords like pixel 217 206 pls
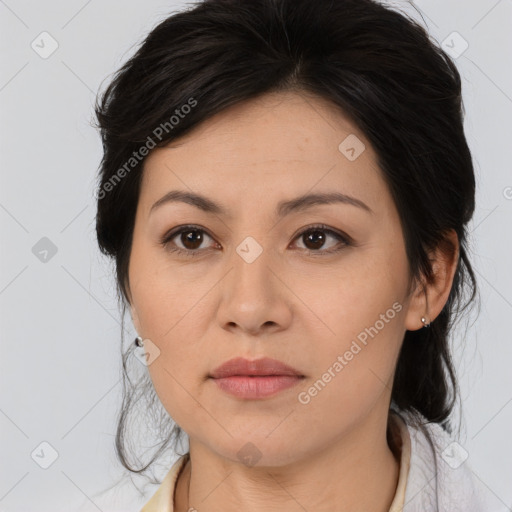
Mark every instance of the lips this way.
pixel 255 380
pixel 259 367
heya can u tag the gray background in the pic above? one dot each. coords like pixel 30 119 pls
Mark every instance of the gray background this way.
pixel 60 329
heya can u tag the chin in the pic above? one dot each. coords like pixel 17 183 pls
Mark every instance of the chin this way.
pixel 258 450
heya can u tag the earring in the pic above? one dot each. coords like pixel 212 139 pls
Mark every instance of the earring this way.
pixel 424 320
pixel 139 342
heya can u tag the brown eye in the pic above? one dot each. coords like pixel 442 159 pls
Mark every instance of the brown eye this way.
pixel 315 238
pixel 191 239
pixel 186 240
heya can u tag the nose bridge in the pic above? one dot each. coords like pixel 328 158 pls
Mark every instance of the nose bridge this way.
pixel 252 296
pixel 251 277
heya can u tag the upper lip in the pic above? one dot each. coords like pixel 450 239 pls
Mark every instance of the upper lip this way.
pixel 264 366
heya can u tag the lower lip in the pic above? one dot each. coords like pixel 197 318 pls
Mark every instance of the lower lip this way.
pixel 256 387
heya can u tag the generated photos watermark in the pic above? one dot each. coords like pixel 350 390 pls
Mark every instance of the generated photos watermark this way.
pixel 304 397
pixel 150 143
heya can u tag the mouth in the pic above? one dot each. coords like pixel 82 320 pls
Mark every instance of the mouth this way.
pixel 256 379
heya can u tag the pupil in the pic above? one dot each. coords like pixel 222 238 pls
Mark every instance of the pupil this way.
pixel 317 237
pixel 188 237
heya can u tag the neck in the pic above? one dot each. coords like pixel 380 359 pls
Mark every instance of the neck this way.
pixel 358 472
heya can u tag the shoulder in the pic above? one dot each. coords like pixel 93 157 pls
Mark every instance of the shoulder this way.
pixel 163 499
pixel 440 479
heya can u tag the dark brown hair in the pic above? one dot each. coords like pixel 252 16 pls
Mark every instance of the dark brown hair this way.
pixel 375 63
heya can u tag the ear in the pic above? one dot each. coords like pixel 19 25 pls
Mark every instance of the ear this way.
pixel 429 297
pixel 133 311
pixel 135 319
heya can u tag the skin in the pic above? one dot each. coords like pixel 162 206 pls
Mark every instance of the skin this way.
pixel 300 308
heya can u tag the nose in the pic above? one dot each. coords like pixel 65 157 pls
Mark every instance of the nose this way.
pixel 254 297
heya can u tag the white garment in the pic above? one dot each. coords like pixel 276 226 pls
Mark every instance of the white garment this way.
pixel 440 479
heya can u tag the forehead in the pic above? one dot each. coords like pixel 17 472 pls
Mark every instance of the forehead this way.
pixel 276 143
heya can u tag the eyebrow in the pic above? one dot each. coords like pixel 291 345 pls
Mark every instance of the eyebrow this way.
pixel 284 208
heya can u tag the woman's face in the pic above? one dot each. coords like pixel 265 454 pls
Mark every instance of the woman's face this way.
pixel 258 278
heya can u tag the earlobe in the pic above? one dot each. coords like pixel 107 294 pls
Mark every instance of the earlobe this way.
pixel 418 309
pixel 431 295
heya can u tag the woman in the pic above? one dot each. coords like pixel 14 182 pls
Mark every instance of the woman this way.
pixel 285 190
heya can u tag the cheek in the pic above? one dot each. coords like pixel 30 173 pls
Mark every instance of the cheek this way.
pixel 174 381
pixel 165 299
pixel 366 290
pixel 363 313
pixel 352 371
pixel 165 312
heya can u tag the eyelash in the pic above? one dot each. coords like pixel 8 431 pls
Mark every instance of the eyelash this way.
pixel 166 239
